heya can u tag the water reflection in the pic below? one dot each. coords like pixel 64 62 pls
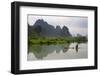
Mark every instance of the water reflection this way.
pixel 42 51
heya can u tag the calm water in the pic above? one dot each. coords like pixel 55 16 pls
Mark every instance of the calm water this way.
pixel 59 51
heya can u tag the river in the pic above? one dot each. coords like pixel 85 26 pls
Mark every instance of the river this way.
pixel 58 51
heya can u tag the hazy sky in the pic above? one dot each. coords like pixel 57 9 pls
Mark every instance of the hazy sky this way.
pixel 76 24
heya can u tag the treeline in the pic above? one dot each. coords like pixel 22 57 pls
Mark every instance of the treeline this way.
pixel 60 40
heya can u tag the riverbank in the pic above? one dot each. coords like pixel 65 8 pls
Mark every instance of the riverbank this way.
pixel 56 40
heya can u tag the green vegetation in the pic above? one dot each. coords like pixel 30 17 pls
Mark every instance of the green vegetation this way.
pixel 61 40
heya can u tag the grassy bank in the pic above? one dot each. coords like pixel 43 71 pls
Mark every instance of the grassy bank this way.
pixel 56 40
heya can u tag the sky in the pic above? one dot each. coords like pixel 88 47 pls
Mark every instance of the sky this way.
pixel 76 24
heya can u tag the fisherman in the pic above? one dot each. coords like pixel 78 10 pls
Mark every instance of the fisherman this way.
pixel 76 47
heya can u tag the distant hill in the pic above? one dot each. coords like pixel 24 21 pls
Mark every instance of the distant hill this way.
pixel 42 29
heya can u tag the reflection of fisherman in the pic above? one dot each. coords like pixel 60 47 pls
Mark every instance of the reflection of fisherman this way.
pixel 76 47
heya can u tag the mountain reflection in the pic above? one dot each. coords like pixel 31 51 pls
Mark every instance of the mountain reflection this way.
pixel 41 51
pixel 57 51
